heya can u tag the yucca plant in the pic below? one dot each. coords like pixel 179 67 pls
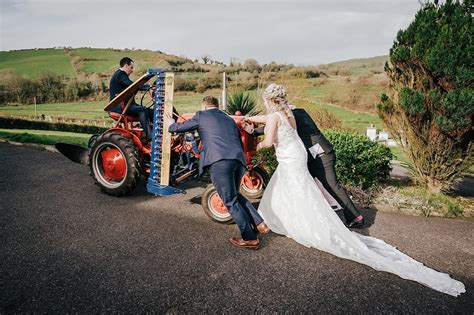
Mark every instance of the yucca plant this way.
pixel 243 103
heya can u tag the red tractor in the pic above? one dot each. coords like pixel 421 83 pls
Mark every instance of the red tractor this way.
pixel 121 157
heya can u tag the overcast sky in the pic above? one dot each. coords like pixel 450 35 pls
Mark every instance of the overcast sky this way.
pixel 285 31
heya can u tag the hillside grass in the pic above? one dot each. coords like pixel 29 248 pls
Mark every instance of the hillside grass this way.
pixel 33 63
pixel 80 110
pixel 359 65
pixel 106 61
pixel 79 62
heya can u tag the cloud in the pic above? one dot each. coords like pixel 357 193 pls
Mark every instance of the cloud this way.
pixel 298 31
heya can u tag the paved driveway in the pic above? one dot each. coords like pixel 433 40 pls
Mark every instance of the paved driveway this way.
pixel 66 247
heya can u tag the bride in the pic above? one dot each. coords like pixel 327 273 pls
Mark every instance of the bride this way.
pixel 293 205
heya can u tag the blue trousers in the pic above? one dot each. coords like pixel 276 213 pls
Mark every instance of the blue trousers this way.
pixel 145 115
pixel 226 176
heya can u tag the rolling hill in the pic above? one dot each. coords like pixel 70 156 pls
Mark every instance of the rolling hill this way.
pixel 74 62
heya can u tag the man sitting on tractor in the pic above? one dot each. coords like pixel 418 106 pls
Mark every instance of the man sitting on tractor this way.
pixel 119 82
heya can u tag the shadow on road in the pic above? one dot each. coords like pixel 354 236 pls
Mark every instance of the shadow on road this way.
pixel 465 188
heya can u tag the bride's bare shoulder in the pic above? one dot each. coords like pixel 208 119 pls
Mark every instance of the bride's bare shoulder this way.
pixel 272 119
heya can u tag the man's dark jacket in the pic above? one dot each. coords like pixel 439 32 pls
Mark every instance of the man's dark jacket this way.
pixel 119 82
pixel 220 136
pixel 308 131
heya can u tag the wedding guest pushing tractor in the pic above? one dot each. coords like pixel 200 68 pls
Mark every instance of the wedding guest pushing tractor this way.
pixel 123 156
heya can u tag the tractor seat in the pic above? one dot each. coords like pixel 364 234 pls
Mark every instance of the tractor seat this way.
pixel 116 116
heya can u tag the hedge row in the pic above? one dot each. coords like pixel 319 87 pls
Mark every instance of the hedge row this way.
pixel 16 123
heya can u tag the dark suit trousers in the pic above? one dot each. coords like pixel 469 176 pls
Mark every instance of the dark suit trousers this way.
pixel 323 168
pixel 226 176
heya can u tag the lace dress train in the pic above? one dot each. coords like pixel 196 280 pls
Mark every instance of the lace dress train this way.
pixel 293 205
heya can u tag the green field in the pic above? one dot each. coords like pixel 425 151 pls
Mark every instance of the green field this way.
pixel 185 103
pixel 350 120
pixel 81 110
pixel 32 63
pixel 44 137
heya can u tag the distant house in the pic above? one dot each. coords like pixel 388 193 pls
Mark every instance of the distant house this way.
pixel 381 137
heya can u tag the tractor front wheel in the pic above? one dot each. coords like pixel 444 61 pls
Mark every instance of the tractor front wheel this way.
pixel 115 164
pixel 214 207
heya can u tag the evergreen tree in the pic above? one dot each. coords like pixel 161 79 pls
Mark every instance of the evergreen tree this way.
pixel 430 101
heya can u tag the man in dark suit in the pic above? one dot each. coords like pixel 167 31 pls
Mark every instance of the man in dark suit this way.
pixel 119 82
pixel 223 154
pixel 321 163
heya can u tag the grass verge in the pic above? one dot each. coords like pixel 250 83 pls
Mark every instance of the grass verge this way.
pixel 44 137
pixel 407 198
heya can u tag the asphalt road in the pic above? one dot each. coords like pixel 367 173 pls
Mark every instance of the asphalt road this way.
pixel 66 247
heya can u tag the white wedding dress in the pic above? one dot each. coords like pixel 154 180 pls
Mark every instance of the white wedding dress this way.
pixel 293 205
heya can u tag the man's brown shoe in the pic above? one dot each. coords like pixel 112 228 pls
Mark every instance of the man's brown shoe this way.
pixel 262 228
pixel 254 244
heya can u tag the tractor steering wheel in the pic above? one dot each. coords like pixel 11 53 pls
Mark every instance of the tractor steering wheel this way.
pixel 147 100
pixel 147 97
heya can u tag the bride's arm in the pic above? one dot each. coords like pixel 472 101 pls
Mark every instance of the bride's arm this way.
pixel 259 119
pixel 270 132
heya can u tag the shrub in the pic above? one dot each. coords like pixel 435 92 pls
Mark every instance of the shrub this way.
pixel 303 72
pixel 251 65
pixel 76 90
pixel 360 162
pixel 184 84
pixel 245 81
pixel 267 155
pixel 210 80
pixel 309 74
pixel 48 88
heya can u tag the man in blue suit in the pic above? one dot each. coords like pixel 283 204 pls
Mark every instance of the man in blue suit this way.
pixel 222 153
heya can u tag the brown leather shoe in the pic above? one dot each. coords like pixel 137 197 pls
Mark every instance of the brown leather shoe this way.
pixel 254 244
pixel 262 228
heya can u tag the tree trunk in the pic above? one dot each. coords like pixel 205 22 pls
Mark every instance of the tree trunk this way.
pixel 434 185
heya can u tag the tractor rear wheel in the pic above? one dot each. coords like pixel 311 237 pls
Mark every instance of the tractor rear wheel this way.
pixel 214 207
pixel 254 183
pixel 115 164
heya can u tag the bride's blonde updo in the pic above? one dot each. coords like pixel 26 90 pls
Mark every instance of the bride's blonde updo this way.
pixel 277 99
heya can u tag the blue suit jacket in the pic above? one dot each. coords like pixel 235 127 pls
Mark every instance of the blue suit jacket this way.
pixel 220 137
